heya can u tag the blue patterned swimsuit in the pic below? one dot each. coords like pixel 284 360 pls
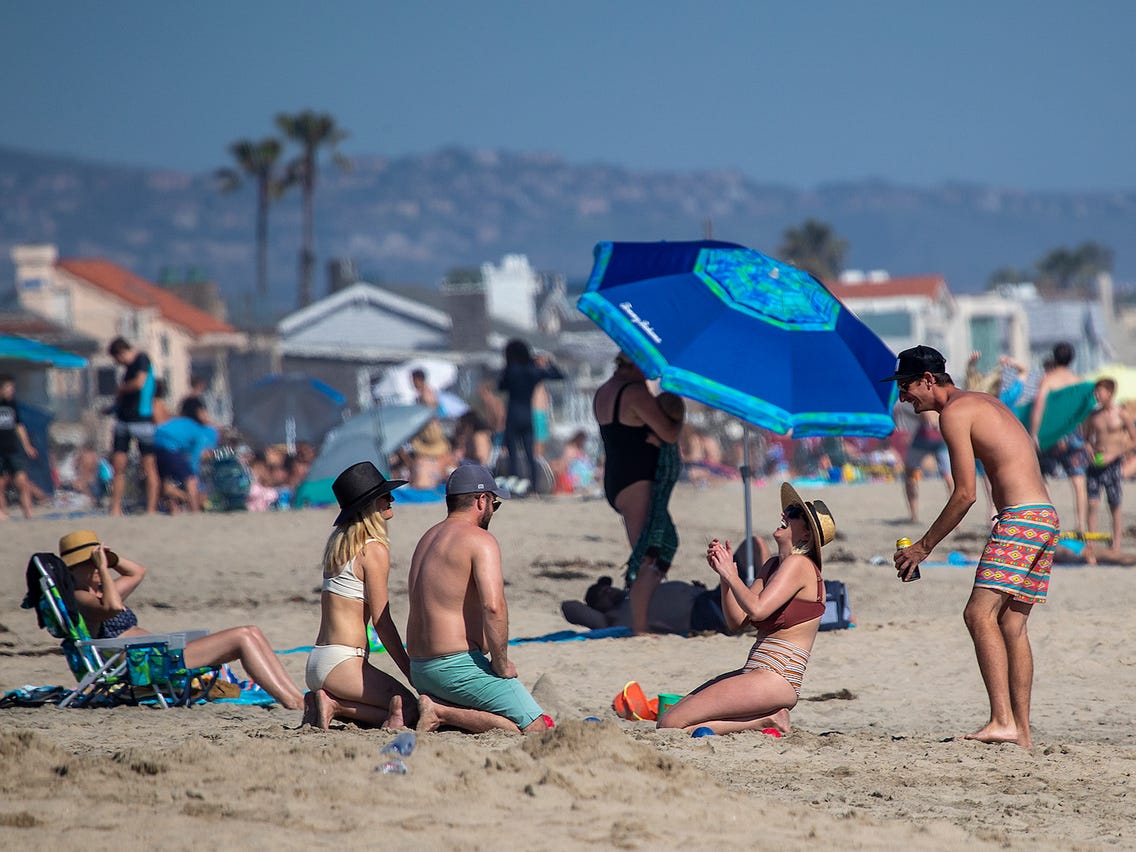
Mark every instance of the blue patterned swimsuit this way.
pixel 117 624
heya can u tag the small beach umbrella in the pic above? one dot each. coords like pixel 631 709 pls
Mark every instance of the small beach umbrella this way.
pixel 741 332
pixel 288 409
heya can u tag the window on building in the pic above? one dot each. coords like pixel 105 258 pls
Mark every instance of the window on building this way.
pixel 888 323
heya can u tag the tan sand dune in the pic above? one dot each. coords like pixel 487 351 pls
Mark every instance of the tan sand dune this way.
pixel 870 763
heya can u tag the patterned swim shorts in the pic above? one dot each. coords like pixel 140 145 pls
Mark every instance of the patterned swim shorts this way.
pixel 1019 554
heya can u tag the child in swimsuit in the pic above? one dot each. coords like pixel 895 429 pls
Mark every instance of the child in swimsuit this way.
pixel 785 605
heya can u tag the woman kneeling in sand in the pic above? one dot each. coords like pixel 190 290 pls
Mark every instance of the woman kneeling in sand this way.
pixel 785 604
pixel 101 597
pixel 356 564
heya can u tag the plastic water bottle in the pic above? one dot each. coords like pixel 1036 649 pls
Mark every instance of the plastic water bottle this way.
pixel 398 748
pixel 402 745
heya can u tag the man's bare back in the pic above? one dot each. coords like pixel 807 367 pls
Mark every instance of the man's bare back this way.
pixel 445 608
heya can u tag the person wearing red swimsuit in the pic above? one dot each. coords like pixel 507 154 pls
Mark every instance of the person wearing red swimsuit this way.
pixel 785 605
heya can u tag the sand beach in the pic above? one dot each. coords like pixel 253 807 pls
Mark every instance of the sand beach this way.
pixel 875 759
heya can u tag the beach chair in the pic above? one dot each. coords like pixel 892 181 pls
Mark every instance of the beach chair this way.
pixel 149 668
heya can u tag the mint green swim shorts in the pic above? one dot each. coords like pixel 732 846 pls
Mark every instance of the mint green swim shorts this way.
pixel 466 679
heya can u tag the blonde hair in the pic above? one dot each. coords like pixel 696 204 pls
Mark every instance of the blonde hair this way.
pixel 347 540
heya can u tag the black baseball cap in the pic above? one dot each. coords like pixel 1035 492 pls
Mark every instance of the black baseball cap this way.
pixel 474 479
pixel 916 361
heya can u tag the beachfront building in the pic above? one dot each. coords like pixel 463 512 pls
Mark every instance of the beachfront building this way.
pixel 903 311
pixel 100 300
pixel 907 311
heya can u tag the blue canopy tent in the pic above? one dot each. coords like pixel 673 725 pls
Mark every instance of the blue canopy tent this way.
pixel 13 348
pixel 16 352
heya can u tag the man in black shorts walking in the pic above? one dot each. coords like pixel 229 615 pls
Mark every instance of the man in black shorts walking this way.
pixel 134 421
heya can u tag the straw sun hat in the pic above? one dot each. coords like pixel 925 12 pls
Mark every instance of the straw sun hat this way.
pixel 817 516
pixel 431 441
pixel 76 548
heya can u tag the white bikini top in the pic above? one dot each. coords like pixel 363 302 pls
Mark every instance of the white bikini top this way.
pixel 345 583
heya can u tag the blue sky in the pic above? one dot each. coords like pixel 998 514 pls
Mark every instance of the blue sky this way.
pixel 1034 95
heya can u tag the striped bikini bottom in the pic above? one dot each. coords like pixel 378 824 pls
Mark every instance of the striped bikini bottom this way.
pixel 780 657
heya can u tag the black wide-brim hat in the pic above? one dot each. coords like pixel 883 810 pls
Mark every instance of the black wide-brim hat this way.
pixel 357 487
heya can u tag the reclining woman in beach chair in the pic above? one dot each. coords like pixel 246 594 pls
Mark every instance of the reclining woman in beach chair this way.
pixel 123 670
pixel 103 581
pixel 785 604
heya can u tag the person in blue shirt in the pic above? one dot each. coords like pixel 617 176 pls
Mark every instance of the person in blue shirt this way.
pixel 179 444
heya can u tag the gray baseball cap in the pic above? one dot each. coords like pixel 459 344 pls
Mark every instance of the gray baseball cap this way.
pixel 473 479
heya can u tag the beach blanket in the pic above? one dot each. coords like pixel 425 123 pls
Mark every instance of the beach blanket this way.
pixel 37 696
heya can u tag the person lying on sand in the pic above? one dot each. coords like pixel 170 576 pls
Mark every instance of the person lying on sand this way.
pixel 103 582
pixel 676 607
pixel 785 603
pixel 458 630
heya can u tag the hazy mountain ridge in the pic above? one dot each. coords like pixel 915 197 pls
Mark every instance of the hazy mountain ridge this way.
pixel 410 219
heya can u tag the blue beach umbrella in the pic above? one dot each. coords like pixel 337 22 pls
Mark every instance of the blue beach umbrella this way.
pixel 741 332
pixel 288 409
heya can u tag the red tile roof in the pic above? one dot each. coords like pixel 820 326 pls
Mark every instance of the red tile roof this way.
pixel 138 291
pixel 931 286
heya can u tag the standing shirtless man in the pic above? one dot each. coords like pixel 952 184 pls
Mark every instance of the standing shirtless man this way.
pixel 1109 435
pixel 1013 573
pixel 1068 454
pixel 457 634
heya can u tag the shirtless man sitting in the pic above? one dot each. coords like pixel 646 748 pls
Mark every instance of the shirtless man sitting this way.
pixel 1013 573
pixel 458 630
pixel 1109 435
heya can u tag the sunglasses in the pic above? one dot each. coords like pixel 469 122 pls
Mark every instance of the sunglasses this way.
pixel 496 504
pixel 793 511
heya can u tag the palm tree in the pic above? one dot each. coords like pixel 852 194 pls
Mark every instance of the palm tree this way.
pixel 256 161
pixel 815 248
pixel 311 131
pixel 1073 270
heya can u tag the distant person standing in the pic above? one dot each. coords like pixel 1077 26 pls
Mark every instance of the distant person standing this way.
pixel 134 421
pixel 14 446
pixel 1013 573
pixel 1109 436
pixel 927 441
pixel 520 377
pixel 1068 454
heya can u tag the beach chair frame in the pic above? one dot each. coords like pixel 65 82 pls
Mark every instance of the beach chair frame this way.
pixel 124 669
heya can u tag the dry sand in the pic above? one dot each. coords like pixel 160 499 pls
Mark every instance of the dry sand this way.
pixel 872 762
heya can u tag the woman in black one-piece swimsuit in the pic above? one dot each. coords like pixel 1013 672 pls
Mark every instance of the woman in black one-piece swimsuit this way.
pixel 631 454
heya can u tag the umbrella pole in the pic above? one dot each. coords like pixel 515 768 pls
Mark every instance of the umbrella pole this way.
pixel 746 472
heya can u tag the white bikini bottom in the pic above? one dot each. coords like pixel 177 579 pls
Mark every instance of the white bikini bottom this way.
pixel 324 658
